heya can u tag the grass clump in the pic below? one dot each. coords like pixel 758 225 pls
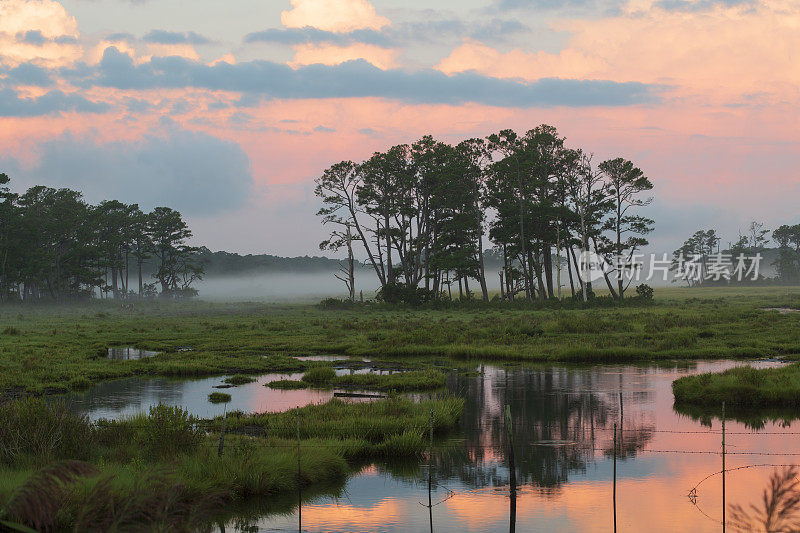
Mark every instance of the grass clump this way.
pixel 287 384
pixel 34 432
pixel 239 379
pixel 219 397
pixel 743 386
pixel 382 423
pixel 416 380
pixel 319 375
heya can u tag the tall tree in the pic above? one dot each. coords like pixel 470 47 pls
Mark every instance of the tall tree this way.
pixel 625 183
pixel 177 266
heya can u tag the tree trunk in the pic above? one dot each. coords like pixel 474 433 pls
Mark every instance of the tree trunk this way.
pixel 569 271
pixel 351 266
pixel 482 273
pixel 548 269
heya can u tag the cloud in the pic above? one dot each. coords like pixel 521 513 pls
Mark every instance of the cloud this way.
pixel 33 37
pixel 357 79
pixel 478 57
pixel 28 74
pixel 195 173
pixel 333 15
pixel 401 34
pixel 37 30
pixel 172 37
pixel 712 51
pixel 53 102
pixel 324 129
pixel 322 54
pixel 702 5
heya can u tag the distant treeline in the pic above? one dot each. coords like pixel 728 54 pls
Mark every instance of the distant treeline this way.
pixel 54 246
pixel 221 264
pixel 706 247
pixel 419 212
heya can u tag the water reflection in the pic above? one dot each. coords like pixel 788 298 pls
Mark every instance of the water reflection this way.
pixel 563 420
pixel 128 353
pixel 124 397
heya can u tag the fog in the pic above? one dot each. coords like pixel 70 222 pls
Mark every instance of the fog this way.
pixel 282 287
pixel 287 287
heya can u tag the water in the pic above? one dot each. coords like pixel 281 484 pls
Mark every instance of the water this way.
pixel 562 418
pixel 114 399
pixel 565 482
pixel 126 353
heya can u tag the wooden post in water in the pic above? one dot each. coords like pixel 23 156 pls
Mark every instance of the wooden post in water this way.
pixel 512 471
pixel 723 467
pixel 222 432
pixel 430 471
pixel 299 486
pixel 614 489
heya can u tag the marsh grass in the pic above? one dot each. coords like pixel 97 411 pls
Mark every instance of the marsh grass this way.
pixel 742 387
pixel 219 397
pixel 60 345
pixel 35 432
pixel 406 381
pixel 239 379
pixel 161 470
pixel 374 422
pixel 319 375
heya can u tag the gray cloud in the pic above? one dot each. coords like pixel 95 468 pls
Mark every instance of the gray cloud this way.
pixel 195 173
pixel 324 129
pixel 65 39
pixel 264 79
pixel 33 37
pixel 702 5
pixel 28 74
pixel 53 102
pixel 173 37
pixel 399 34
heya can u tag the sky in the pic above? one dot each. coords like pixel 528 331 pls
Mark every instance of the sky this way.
pixel 228 111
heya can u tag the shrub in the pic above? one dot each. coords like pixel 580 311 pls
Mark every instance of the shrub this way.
pixel 399 293
pixel 170 430
pixel 337 304
pixel 644 291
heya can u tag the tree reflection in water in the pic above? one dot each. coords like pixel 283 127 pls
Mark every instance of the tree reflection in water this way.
pixel 560 422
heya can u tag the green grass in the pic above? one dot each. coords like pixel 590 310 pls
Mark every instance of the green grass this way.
pixel 219 397
pixel 374 422
pixel 741 387
pixel 319 375
pixel 407 381
pixel 239 379
pixel 161 470
pixel 287 384
pixel 61 348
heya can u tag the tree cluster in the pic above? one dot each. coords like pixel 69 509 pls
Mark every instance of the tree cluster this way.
pixel 55 246
pixel 421 212
pixel 705 245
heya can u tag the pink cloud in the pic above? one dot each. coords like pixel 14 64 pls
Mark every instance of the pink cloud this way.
pixel 333 15
pixel 717 56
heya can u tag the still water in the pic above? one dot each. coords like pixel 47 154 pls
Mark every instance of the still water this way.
pixel 562 419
